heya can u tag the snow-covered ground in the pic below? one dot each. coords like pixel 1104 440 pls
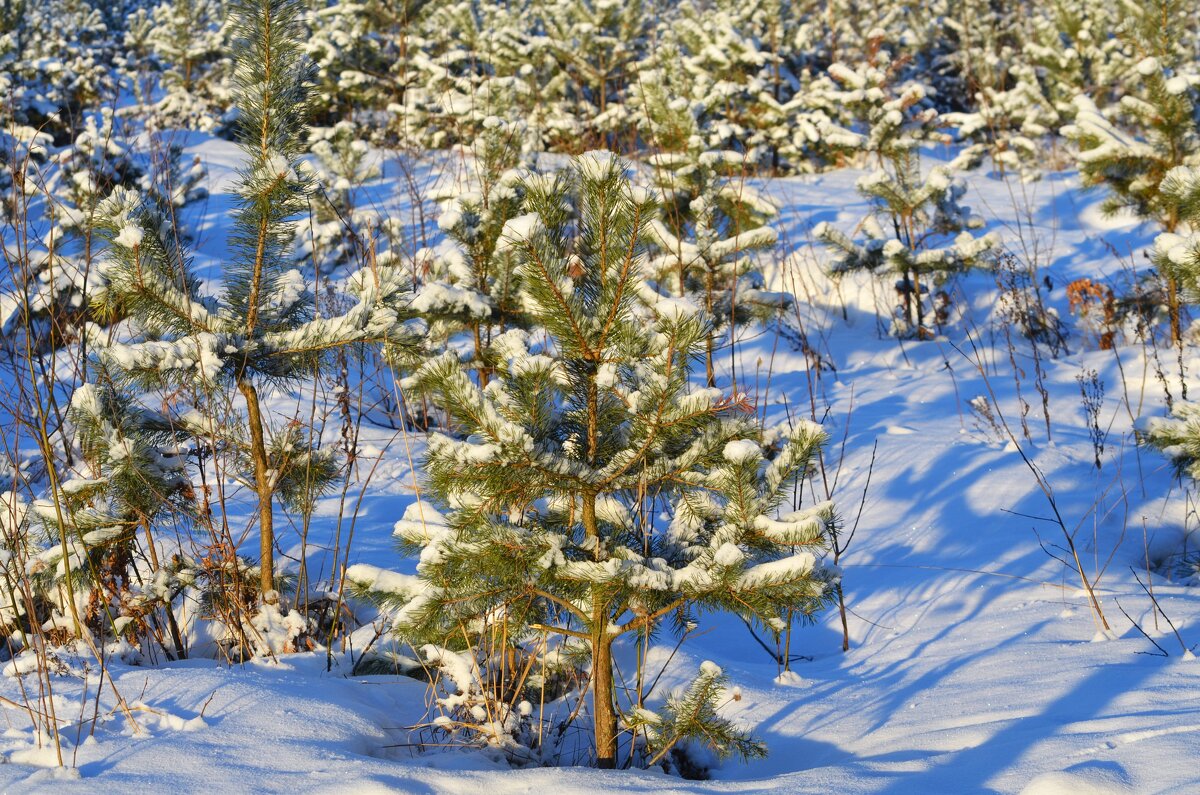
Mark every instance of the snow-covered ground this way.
pixel 975 662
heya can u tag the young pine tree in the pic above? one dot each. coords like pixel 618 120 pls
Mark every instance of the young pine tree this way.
pixel 918 234
pixel 189 40
pixel 712 224
pixel 591 491
pixel 1162 109
pixel 471 284
pixel 917 231
pixel 1178 254
pixel 262 329
pixel 135 475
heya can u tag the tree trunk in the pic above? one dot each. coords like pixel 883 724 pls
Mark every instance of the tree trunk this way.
pixel 1173 308
pixel 481 367
pixel 605 716
pixel 602 690
pixel 710 374
pixel 262 485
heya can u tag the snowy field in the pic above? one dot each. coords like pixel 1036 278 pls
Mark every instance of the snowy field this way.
pixel 976 664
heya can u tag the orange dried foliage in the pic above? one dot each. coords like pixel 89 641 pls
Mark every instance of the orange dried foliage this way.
pixel 1088 300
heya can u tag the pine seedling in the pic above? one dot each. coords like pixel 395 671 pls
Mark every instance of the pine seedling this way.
pixel 137 475
pixel 471 285
pixel 595 44
pixel 590 490
pixel 1162 113
pixel 711 226
pixel 1070 44
pixel 189 40
pixel 339 232
pixel 261 330
pixel 928 236
pixel 1012 124
pixel 871 114
pixel 693 717
pixel 1177 254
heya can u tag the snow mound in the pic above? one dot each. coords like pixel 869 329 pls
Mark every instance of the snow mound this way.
pixel 1092 778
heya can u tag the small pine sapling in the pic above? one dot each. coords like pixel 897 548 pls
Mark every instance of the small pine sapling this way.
pixel 340 232
pixel 590 491
pixel 470 282
pixel 692 717
pixel 136 475
pixel 1178 254
pixel 918 231
pixel 919 234
pixel 1162 110
pixel 189 41
pixel 262 329
pixel 711 225
pixel 1012 124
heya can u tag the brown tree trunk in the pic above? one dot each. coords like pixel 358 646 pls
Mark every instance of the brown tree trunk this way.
pixel 602 690
pixel 262 485
pixel 604 714
pixel 710 374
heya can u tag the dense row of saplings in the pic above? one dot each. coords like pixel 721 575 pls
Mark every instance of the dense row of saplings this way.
pixel 780 81
pixel 580 493
pixel 697 88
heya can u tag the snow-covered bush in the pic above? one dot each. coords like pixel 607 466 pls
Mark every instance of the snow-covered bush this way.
pixel 542 536
pixel 711 225
pixel 261 329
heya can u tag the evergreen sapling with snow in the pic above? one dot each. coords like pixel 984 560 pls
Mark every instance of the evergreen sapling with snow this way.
pixel 589 492
pixel 261 331
pixel 711 226
pixel 918 232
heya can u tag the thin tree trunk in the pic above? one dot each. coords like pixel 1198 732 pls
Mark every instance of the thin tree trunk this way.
pixel 481 367
pixel 710 375
pixel 262 485
pixel 842 611
pixel 604 715
pixel 602 691
pixel 920 306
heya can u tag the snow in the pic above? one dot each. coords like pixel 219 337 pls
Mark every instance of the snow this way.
pixel 377 579
pixel 130 236
pixel 741 451
pixel 518 231
pixel 278 166
pixel 596 164
pixel 969 669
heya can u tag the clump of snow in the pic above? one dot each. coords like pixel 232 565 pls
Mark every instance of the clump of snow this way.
pixel 130 236
pixel 277 166
pixel 377 579
pixel 1087 778
pixel 741 451
pixel 789 679
pixel 1147 66
pixel 518 231
pixel 596 164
